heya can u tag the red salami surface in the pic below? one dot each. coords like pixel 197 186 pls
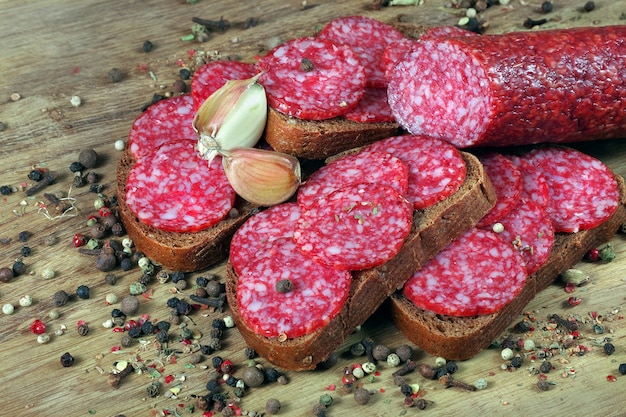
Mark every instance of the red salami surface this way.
pixel 583 192
pixel 318 293
pixel 159 197
pixel 260 230
pixel 168 119
pixel 372 108
pixel 356 227
pixel 534 184
pixel 436 168
pixel 376 167
pixel 476 274
pixel 368 38
pixel 529 229
pixel 311 78
pixel 394 53
pixel 446 32
pixel 507 182
pixel 515 88
pixel 213 75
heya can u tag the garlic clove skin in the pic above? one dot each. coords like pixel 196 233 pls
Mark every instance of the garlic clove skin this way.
pixel 233 116
pixel 260 176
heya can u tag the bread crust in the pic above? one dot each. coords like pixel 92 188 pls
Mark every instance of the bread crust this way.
pixel 319 139
pixel 433 229
pixel 177 251
pixel 461 338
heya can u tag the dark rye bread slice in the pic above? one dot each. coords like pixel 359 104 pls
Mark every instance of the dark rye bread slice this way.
pixel 433 229
pixel 319 139
pixel 460 338
pixel 178 251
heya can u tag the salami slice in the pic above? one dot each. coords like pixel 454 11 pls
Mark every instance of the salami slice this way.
pixel 563 85
pixel 394 53
pixel 436 168
pixel 213 75
pixel 172 189
pixel 260 230
pixel 368 38
pixel 507 182
pixel 534 184
pixel 311 78
pixel 356 227
pixel 529 229
pixel 318 292
pixel 376 167
pixel 583 192
pixel 372 108
pixel 476 274
pixel 446 32
pixel 167 119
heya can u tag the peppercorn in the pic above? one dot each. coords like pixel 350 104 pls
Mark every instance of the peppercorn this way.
pixel 19 267
pixel 127 341
pixel 106 261
pixel 88 158
pixel 60 298
pixel 284 286
pixel 183 308
pixel 543 385
pixel 381 352
pixel 451 367
pixel 134 332
pixel 406 390
pixel 76 166
pixel 231 381
pixel 67 360
pixel 115 75
pixel 6 274
pixel 184 73
pixel 545 367
pixel 217 361
pixel 162 337
pixel 214 288
pixel 177 276
pixel 213 386
pixel 589 6
pixel 83 329
pixel 179 86
pixel 148 46
pixel 517 361
pixel 35 175
pixel 154 389
pixel 622 368
pixel 82 292
pixel 23 236
pixel 5 190
pixel 216 333
pixel 253 376
pixel 361 396
pixel 129 305
pixel 609 348
pixel 147 328
pixel 272 406
pixel 126 264
pixel 546 6
pixel 110 279
pixel 96 188
pixel 163 326
pixel 404 352
pixel 271 374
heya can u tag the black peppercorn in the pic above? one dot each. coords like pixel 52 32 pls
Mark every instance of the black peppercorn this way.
pixel 23 236
pixel 202 281
pixel 67 360
pixel 173 302
pixel 148 46
pixel 60 298
pixel 589 6
pixel 545 367
pixel 217 361
pixel 116 312
pixel 177 276
pixel 134 332
pixel 110 279
pixel 231 381
pixel 184 73
pixel 213 386
pixel 517 361
pixel 5 190
pixel 163 326
pixel 115 75
pixel 26 251
pixel 19 267
pixel 271 374
pixel 622 368
pixel 451 367
pixel 82 292
pixel 406 390
pixel 76 166
pixel 249 353
pixel 206 349
pixel 546 6
pixel 609 348
pixel 162 337
pixel 35 175
pixel 126 264
pixel 147 328
pixel 83 329
pixel 96 188
pixel 218 324
pixel 183 308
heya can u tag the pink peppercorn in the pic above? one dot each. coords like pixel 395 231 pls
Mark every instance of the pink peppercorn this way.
pixel 38 327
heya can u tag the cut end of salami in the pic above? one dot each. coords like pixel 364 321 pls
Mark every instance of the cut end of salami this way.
pixel 476 274
pixel 215 74
pixel 314 294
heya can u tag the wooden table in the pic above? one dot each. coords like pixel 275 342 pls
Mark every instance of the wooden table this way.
pixel 53 50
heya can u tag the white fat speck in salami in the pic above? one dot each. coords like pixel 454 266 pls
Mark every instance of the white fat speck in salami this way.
pixel 446 32
pixel 260 230
pixel 436 168
pixel 372 108
pixel 529 229
pixel 476 274
pixel 167 119
pixel 368 38
pixel 213 75
pixel 376 167
pixel 312 78
pixel 317 295
pixel 583 192
pixel 172 189
pixel 507 182
pixel 355 227
pixel 534 184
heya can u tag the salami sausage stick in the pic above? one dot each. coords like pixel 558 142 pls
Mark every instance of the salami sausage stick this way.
pixel 564 85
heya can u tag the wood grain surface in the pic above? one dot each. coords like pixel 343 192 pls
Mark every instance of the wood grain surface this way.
pixel 54 49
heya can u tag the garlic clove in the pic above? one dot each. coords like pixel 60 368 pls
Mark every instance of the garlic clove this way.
pixel 233 116
pixel 261 176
